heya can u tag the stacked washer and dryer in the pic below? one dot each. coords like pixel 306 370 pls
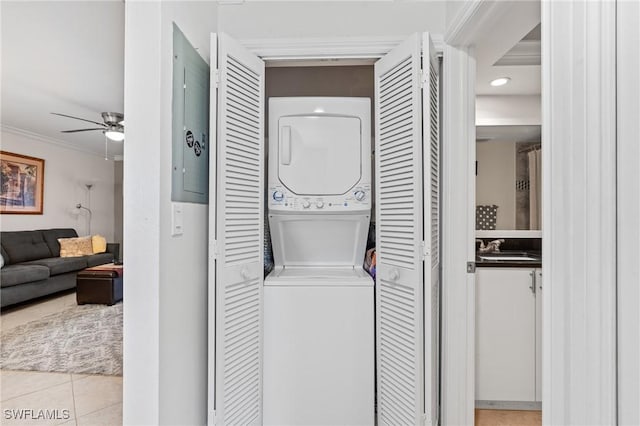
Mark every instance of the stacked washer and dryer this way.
pixel 319 301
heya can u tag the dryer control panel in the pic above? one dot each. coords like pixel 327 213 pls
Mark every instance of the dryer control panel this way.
pixel 357 199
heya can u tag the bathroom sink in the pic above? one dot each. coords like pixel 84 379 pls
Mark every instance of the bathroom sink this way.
pixel 510 256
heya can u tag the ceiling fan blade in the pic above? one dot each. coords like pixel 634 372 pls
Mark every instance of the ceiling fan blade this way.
pixel 81 130
pixel 78 118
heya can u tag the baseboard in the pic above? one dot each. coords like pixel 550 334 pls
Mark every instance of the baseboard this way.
pixel 509 405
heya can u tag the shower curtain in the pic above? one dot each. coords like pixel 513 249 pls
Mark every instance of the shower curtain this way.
pixel 535 189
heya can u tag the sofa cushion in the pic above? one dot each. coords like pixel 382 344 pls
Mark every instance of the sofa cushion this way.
pixel 61 265
pixel 22 246
pixel 51 238
pixel 99 259
pixel 12 275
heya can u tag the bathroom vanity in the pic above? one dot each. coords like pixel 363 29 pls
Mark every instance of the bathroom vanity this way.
pixel 508 330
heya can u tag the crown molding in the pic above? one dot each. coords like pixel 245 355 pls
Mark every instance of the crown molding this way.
pixel 47 139
pixel 471 20
pixel 526 52
pixel 325 48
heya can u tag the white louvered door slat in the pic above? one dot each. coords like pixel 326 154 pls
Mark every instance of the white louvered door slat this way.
pixel 399 291
pixel 431 179
pixel 239 233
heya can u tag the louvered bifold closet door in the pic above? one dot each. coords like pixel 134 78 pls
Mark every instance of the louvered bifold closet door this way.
pixel 239 234
pixel 399 235
pixel 431 179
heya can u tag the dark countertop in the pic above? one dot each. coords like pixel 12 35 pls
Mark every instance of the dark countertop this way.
pixel 481 263
pixel 497 263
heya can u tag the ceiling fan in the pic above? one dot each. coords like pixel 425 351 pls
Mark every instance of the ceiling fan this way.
pixel 112 127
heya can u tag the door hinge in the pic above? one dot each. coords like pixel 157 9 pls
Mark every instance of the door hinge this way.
pixel 540 283
pixel 424 249
pixel 213 247
pixel 216 78
pixel 424 78
pixel 471 267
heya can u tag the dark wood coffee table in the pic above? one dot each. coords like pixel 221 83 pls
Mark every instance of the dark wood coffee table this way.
pixel 100 284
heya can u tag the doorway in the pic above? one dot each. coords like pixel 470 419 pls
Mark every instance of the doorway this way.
pixel 508 236
pixel 411 261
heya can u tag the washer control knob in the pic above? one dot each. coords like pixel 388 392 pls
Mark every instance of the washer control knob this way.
pixel 278 196
pixel 359 195
pixel 306 204
pixel 320 204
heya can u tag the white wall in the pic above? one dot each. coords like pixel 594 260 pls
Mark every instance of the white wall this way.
pixel 458 229
pixel 66 172
pixel 273 19
pixel 183 266
pixel 628 109
pixel 118 170
pixel 512 110
pixel 165 329
pixel 496 180
pixel 579 212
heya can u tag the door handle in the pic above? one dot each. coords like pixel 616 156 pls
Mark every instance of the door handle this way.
pixel 245 273
pixel 394 274
pixel 285 145
pixel 532 287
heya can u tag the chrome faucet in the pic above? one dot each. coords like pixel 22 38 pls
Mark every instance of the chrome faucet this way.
pixel 491 247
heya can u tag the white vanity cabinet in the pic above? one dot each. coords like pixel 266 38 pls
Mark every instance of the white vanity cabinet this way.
pixel 508 327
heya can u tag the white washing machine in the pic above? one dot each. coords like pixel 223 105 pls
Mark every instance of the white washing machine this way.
pixel 318 301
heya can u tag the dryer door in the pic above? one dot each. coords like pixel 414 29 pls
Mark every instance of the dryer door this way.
pixel 319 155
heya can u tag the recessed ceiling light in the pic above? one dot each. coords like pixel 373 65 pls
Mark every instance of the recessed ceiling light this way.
pixel 500 81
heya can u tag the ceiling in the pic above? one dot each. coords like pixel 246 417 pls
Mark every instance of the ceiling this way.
pixel 512 50
pixel 66 57
pixel 80 70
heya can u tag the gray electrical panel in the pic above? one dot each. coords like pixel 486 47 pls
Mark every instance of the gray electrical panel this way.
pixel 190 123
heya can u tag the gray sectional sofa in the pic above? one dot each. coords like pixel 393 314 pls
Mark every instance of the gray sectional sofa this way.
pixel 33 266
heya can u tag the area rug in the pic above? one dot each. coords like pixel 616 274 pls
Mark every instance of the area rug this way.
pixel 82 339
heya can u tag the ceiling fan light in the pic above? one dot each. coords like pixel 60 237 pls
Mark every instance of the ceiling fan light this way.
pixel 114 135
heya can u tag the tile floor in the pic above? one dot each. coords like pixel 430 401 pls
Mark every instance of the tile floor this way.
pixel 97 400
pixel 71 399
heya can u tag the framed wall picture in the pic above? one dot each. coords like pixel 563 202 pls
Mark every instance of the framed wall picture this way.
pixel 22 184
